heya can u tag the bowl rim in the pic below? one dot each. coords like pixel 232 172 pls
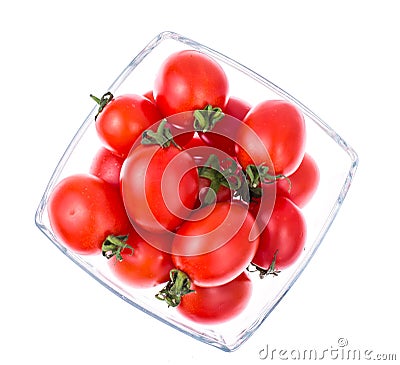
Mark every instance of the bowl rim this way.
pixel 159 38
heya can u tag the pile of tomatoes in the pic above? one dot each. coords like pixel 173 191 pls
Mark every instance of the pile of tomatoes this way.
pixel 192 190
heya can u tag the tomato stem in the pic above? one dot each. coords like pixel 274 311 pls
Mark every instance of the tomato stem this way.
pixel 105 99
pixel 218 176
pixel 162 136
pixel 113 246
pixel 178 286
pixel 264 272
pixel 205 119
pixel 257 175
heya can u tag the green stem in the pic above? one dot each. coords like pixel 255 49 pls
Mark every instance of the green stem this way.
pixel 113 246
pixel 218 176
pixel 162 136
pixel 212 192
pixel 205 119
pixel 271 270
pixel 257 175
pixel 105 99
pixel 178 286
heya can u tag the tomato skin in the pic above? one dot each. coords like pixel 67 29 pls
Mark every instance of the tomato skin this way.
pixel 149 95
pixel 222 136
pixel 213 249
pixel 123 120
pixel 189 80
pixel 285 234
pixel 237 107
pixel 147 186
pixel 107 166
pixel 281 129
pixel 181 127
pixel 303 182
pixel 83 210
pixel 145 267
pixel 217 304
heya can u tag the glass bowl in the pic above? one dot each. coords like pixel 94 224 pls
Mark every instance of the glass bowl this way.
pixel 337 162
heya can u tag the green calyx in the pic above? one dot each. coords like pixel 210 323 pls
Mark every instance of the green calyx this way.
pixel 219 176
pixel 178 286
pixel 205 119
pixel 257 175
pixel 114 245
pixel 162 137
pixel 271 270
pixel 102 102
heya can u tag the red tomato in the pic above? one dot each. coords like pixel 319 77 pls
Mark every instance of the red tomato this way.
pixel 189 80
pixel 223 135
pixel 195 142
pixel 159 186
pixel 136 262
pixel 237 107
pixel 217 304
pixel 285 236
pixel 107 165
pixel 213 248
pixel 149 95
pixel 181 126
pixel 123 119
pixel 83 210
pixel 303 182
pixel 280 127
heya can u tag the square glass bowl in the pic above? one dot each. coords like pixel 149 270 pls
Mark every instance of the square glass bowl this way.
pixel 337 162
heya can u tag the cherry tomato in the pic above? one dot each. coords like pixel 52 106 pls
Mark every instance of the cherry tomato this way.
pixel 217 304
pixel 159 186
pixel 181 126
pixel 222 136
pixel 237 108
pixel 213 248
pixel 149 95
pixel 83 210
pixel 189 80
pixel 122 120
pixel 303 182
pixel 284 236
pixel 107 165
pixel 137 262
pixel 280 127
pixel 196 141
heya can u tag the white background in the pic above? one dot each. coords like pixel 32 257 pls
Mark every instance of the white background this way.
pixel 340 58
